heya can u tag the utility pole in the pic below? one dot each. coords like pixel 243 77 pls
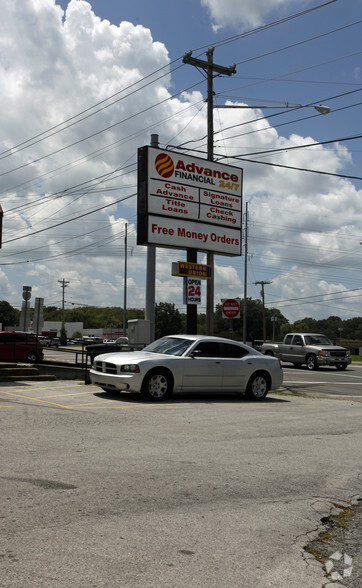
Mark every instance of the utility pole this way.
pixel 245 272
pixel 263 301
pixel 151 275
pixel 211 69
pixel 64 284
pixel 125 285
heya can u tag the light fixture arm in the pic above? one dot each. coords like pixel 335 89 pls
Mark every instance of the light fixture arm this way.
pixel 318 107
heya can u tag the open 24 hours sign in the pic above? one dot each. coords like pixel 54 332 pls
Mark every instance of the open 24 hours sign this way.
pixel 188 203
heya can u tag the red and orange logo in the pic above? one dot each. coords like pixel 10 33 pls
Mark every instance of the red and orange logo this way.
pixel 164 165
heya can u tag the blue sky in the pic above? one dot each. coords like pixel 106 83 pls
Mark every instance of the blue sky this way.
pixel 322 65
pixel 305 226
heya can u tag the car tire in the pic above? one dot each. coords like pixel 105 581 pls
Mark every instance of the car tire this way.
pixel 32 358
pixel 258 387
pixel 269 353
pixel 312 362
pixel 157 385
pixel 341 367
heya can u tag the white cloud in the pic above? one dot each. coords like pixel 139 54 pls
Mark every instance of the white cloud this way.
pixel 53 66
pixel 243 13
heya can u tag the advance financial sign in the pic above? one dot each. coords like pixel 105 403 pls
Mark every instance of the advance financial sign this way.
pixel 188 203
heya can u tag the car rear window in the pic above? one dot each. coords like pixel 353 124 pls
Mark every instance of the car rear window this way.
pixel 231 350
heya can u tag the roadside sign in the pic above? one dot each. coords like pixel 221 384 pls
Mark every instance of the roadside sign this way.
pixel 231 308
pixel 26 292
pixel 192 291
pixel 187 269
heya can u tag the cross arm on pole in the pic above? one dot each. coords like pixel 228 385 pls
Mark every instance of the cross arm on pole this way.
pixel 220 69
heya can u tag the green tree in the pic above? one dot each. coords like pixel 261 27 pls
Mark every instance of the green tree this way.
pixel 168 320
pixel 352 329
pixel 9 316
pixel 52 313
pixel 233 328
pixel 76 335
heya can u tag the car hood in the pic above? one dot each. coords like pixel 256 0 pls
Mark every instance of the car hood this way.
pixel 331 347
pixel 129 357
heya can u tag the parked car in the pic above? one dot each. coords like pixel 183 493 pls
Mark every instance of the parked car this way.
pixel 50 341
pixel 110 347
pixel 18 346
pixel 188 363
pixel 311 349
pixel 118 341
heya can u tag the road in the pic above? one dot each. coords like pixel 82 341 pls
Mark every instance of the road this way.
pixel 202 491
pixel 325 381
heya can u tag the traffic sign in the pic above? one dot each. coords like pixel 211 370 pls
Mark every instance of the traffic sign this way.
pixel 26 292
pixel 231 308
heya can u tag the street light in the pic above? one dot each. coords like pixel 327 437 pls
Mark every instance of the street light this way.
pixel 318 107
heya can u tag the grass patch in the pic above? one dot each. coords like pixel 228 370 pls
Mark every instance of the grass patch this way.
pixel 319 555
pixel 342 518
pixel 319 547
pixel 286 393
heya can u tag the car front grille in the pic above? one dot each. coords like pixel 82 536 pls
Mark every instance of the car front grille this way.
pixel 338 354
pixel 105 367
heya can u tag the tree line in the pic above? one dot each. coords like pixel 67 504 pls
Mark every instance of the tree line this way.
pixel 169 320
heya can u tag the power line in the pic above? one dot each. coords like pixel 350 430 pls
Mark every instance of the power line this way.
pixel 262 28
pixel 70 220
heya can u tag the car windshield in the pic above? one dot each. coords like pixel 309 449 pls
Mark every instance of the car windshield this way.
pixel 169 346
pixel 317 340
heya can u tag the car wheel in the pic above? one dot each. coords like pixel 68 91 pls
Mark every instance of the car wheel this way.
pixel 341 367
pixel 258 387
pixel 157 385
pixel 312 362
pixel 269 353
pixel 32 358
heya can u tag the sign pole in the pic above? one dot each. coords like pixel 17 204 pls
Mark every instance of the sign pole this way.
pixel 191 312
pixel 150 311
pixel 210 157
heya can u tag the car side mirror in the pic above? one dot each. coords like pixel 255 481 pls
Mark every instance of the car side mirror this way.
pixel 196 353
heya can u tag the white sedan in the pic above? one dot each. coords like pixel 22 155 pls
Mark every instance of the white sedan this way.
pixel 180 363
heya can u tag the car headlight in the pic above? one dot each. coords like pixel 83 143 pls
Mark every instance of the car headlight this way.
pixel 130 367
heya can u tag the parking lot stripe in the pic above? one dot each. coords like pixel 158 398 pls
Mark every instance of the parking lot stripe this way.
pixel 32 398
pixel 90 405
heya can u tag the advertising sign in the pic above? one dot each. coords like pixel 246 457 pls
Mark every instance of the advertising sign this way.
pixel 192 291
pixel 198 270
pixel 188 203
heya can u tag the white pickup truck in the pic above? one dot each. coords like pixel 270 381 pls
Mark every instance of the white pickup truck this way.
pixel 310 349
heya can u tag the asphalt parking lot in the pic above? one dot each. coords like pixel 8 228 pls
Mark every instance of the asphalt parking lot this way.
pixel 206 491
